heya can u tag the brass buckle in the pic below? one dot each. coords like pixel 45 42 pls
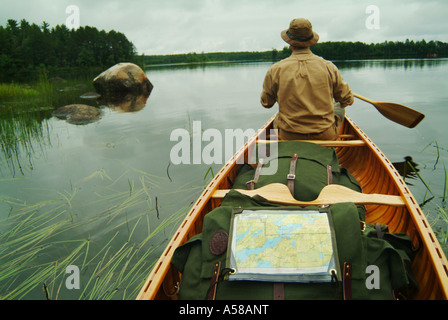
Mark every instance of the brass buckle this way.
pixel 363 226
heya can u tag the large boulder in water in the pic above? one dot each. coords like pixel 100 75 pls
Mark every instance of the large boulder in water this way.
pixel 78 113
pixel 121 79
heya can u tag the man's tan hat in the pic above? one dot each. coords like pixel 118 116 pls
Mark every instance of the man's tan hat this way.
pixel 300 33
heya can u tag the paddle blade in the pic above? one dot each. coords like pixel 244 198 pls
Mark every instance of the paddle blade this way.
pixel 399 113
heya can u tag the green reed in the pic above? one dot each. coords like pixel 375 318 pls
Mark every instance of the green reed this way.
pixel 45 91
pixel 40 91
pixel 435 204
pixel 24 113
pixel 38 241
pixel 11 90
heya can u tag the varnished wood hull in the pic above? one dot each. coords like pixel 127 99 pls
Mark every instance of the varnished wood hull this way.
pixel 374 172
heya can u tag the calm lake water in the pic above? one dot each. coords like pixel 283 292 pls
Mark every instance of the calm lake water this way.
pixel 112 184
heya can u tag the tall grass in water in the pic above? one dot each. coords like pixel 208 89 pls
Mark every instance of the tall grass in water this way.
pixel 22 133
pixel 24 111
pixel 45 89
pixel 39 91
pixel 435 202
pixel 22 120
pixel 39 241
pixel 11 90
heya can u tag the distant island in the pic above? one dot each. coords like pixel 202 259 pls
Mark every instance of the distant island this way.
pixel 26 48
pixel 340 50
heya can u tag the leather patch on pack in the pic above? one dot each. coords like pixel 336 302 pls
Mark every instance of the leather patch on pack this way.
pixel 218 243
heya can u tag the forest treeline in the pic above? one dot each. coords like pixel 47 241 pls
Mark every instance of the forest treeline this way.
pixel 329 50
pixel 26 47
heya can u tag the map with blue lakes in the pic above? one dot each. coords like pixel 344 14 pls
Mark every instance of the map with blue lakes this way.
pixel 282 245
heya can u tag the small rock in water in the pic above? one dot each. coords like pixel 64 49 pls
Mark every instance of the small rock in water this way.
pixel 78 113
pixel 90 96
pixel 56 80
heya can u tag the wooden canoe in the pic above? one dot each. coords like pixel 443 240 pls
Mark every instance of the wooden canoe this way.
pixel 376 174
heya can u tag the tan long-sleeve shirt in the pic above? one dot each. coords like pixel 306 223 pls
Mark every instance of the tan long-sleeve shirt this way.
pixel 305 87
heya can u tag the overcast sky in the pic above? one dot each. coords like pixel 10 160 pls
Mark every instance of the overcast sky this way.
pixel 181 26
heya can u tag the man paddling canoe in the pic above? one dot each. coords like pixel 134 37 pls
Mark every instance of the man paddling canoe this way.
pixel 310 90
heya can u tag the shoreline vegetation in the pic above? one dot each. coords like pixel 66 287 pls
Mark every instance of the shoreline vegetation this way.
pixel 27 49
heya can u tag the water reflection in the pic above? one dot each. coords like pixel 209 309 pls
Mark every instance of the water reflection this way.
pixel 23 123
pixel 407 169
pixel 342 64
pixel 203 65
pixel 125 103
pixel 82 114
pixel 25 132
pixel 23 137
pixel 406 64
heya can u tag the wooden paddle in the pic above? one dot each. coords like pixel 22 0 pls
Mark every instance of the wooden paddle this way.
pixel 396 112
pixel 331 194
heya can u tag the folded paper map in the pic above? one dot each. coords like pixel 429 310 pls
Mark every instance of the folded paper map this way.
pixel 282 245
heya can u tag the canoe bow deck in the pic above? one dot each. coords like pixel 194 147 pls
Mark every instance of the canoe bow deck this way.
pixel 376 175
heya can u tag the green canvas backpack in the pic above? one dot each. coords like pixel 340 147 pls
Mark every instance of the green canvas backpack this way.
pixel 203 261
pixel 370 262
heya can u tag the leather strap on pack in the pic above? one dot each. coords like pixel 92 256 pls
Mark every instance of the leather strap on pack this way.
pixel 279 291
pixel 347 281
pixel 292 173
pixel 211 293
pixel 329 175
pixel 251 184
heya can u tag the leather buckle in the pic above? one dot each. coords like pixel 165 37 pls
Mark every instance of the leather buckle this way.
pixel 291 176
pixel 250 185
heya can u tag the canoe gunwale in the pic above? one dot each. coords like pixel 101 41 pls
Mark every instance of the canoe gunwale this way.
pixel 426 234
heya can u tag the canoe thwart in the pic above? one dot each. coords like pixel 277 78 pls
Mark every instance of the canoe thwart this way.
pixel 325 143
pixel 331 194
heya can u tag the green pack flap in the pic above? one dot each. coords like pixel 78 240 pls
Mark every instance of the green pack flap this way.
pixel 315 168
pixel 395 249
pixel 306 150
pixel 182 253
